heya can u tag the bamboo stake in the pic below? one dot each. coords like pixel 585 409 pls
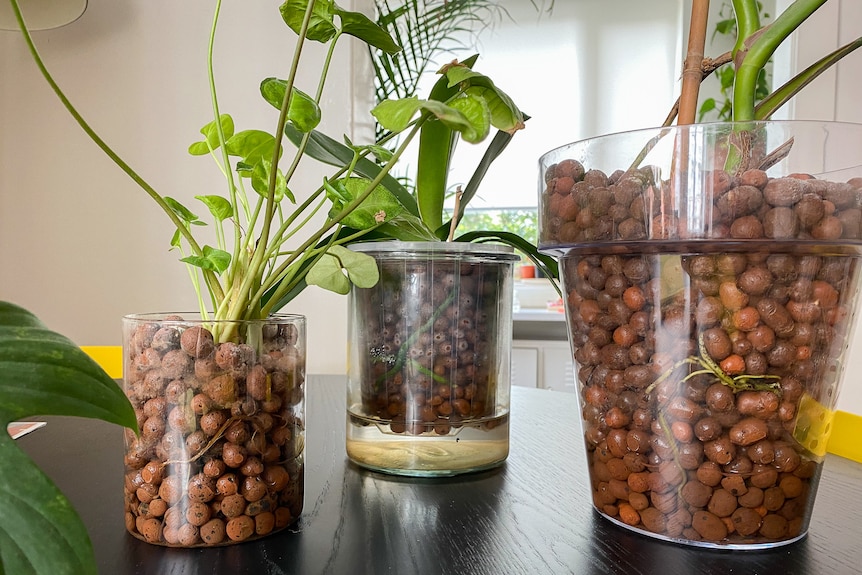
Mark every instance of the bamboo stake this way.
pixel 692 69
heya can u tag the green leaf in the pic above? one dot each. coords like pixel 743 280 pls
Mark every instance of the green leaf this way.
pixel 175 239
pixel 547 264
pixel 324 149
pixel 251 146
pixel 181 211
pixel 378 207
pixel 726 26
pixel 707 106
pixel 210 132
pixel 360 26
pixel 321 27
pixel 339 267
pixel 505 115
pixel 213 259
pixel 407 228
pixel 382 154
pixel 779 97
pixel 432 171
pixel 44 373
pixel 260 175
pixel 396 115
pixel 303 110
pixel 498 143
pixel 475 109
pixel 219 207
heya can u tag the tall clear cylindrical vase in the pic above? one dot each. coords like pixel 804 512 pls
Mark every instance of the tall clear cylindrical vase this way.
pixel 220 406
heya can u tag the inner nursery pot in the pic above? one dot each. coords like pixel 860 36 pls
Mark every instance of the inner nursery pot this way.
pixel 711 275
pixel 220 406
pixel 430 359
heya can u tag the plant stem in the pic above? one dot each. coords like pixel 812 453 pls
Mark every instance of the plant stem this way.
pixel 747 17
pixel 222 142
pixel 242 305
pixel 210 277
pixel 761 50
pixel 282 289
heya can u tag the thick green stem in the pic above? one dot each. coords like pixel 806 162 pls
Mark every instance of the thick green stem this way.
pixel 747 17
pixel 761 50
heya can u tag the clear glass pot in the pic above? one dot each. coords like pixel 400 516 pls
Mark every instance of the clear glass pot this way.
pixel 430 359
pixel 711 275
pixel 221 410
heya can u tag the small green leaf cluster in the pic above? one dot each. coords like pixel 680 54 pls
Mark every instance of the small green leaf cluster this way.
pixel 251 272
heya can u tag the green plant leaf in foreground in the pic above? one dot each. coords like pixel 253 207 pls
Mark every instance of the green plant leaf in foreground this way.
pixel 44 373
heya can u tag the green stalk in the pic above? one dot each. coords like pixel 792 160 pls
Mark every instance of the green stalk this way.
pixel 311 241
pixel 761 50
pixel 747 22
pixel 210 277
pixel 239 307
pixel 222 145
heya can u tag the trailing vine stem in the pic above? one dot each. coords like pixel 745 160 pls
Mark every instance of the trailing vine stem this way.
pixel 742 382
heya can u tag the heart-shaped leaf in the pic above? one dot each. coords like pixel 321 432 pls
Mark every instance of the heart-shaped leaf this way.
pixel 210 132
pixel 340 267
pixel 44 373
pixel 320 27
pixel 361 26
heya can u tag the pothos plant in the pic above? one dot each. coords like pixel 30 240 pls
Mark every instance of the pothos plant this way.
pixel 254 269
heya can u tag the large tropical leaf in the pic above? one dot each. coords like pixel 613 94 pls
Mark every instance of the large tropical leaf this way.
pixel 44 373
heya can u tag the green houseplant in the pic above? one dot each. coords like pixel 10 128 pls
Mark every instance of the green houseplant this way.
pixel 705 419
pixel 44 373
pixel 268 246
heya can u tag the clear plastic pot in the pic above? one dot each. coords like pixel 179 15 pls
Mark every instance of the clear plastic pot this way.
pixel 711 275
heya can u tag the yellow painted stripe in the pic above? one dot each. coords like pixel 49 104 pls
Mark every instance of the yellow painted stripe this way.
pixel 110 357
pixel 846 431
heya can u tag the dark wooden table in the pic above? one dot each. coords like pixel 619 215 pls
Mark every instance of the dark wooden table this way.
pixel 533 515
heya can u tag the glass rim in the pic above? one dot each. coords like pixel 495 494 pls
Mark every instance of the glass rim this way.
pixel 442 248
pixel 195 317
pixel 700 126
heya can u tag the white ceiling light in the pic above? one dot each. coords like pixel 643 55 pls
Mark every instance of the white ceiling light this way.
pixel 41 14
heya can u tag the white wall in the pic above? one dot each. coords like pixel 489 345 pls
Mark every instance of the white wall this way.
pixel 80 244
